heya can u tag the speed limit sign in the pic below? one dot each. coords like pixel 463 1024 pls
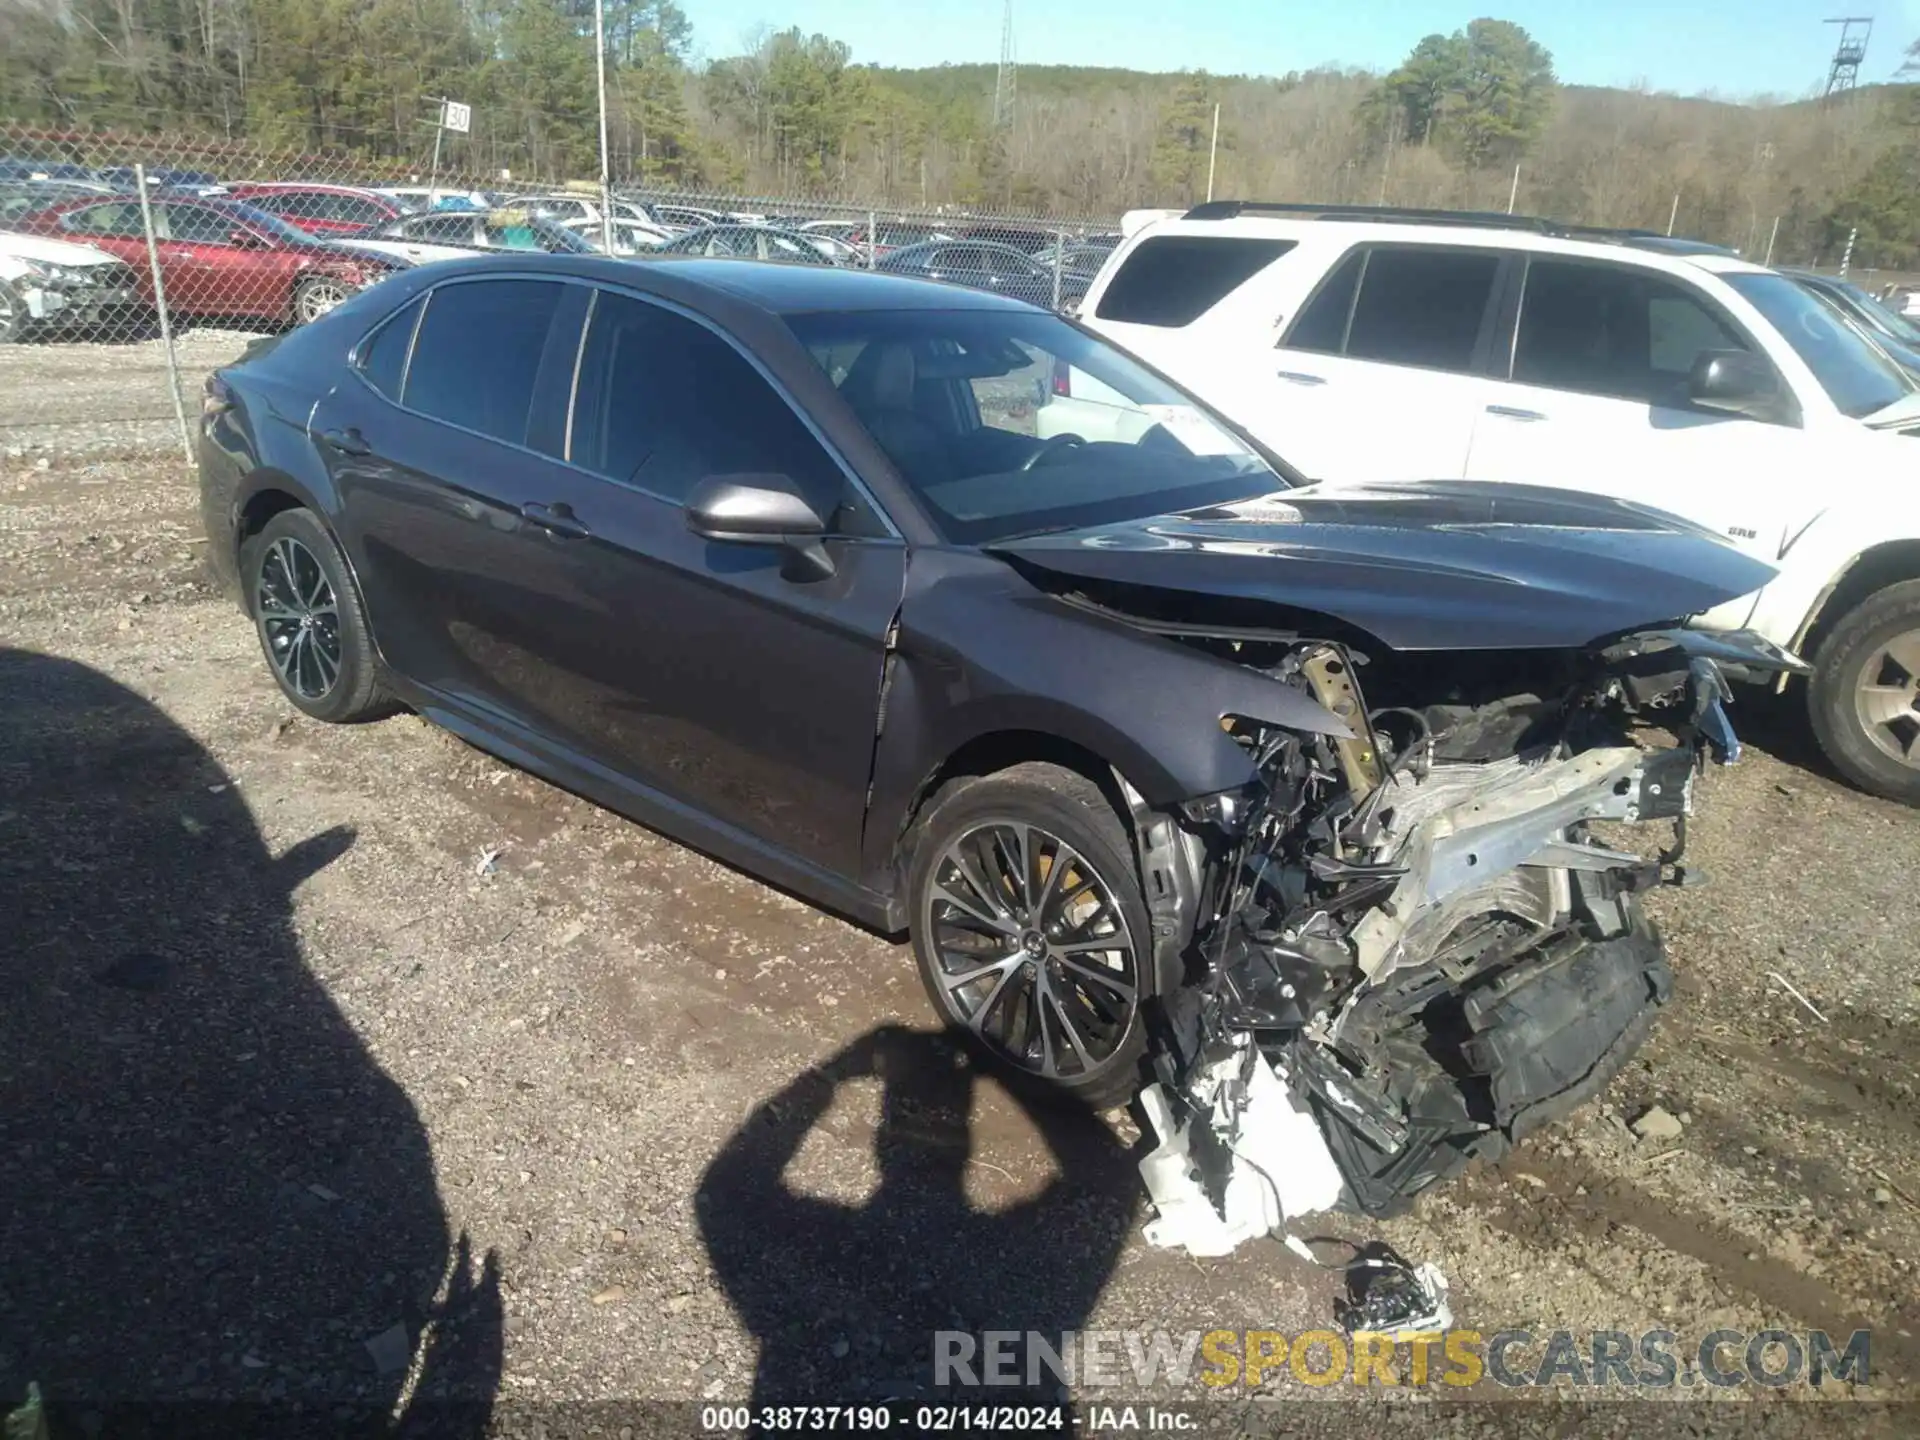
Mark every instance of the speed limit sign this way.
pixel 455 116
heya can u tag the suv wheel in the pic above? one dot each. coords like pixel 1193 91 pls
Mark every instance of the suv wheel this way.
pixel 312 627
pixel 1865 693
pixel 1030 931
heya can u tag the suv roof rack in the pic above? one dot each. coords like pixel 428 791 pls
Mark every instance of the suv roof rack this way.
pixel 1473 219
pixel 1392 214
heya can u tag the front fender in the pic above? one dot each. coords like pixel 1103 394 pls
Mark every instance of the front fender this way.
pixel 980 652
pixel 1818 558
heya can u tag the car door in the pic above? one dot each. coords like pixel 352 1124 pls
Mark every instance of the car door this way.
pixel 712 673
pixel 437 446
pixel 1596 398
pixel 223 267
pixel 1378 375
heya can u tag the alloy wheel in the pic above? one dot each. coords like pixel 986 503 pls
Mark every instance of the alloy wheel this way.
pixel 1032 950
pixel 317 297
pixel 1887 698
pixel 10 318
pixel 299 619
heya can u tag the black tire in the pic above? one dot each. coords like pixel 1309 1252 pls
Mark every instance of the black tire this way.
pixel 1063 990
pixel 1859 640
pixel 13 314
pixel 352 689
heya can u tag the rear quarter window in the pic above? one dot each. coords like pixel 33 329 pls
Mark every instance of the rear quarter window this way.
pixel 1172 280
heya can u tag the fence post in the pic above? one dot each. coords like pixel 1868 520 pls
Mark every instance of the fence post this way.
pixel 873 240
pixel 1059 258
pixel 160 306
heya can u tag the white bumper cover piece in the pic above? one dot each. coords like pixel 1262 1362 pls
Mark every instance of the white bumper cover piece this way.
pixel 1280 1166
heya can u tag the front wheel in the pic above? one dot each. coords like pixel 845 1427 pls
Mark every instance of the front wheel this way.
pixel 1030 932
pixel 316 295
pixel 1864 697
pixel 13 314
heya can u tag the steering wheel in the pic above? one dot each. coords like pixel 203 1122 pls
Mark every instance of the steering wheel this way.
pixel 1051 446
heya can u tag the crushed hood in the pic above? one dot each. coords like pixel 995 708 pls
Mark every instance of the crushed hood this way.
pixel 1438 565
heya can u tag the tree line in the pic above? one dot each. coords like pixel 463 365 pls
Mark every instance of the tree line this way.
pixel 1472 119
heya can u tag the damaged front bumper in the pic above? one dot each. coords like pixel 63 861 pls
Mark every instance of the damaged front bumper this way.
pixel 73 297
pixel 1425 962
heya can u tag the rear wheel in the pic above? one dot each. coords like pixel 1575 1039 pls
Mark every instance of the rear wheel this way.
pixel 1030 931
pixel 1864 698
pixel 312 627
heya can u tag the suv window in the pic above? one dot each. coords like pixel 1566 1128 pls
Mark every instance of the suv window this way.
pixel 383 354
pixel 1173 280
pixel 1421 307
pixel 644 411
pixel 1322 325
pixel 478 352
pixel 1613 330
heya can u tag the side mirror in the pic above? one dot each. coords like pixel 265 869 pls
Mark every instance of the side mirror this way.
pixel 245 239
pixel 1734 381
pixel 761 510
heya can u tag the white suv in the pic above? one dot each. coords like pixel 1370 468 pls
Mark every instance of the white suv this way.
pixel 1369 345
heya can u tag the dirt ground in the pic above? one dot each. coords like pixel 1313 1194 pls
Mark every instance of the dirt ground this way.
pixel 339 1065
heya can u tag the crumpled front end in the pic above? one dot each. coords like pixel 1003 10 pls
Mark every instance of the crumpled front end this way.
pixel 1420 944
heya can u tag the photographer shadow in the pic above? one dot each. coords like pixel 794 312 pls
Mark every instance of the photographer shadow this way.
pixel 846 1300
pixel 218 1213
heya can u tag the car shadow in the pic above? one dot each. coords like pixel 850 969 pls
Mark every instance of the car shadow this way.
pixel 845 1300
pixel 213 1201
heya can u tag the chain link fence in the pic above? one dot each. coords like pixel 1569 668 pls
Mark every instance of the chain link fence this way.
pixel 128 249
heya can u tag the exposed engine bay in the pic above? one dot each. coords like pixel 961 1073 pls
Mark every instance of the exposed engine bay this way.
pixel 1409 947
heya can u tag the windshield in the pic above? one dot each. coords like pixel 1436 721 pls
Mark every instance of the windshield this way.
pixel 1857 377
pixel 1880 314
pixel 1009 422
pixel 273 225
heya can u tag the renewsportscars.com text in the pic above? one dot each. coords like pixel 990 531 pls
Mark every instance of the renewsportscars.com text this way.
pixel 1460 1359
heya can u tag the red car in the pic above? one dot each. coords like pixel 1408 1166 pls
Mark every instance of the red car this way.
pixel 321 209
pixel 218 256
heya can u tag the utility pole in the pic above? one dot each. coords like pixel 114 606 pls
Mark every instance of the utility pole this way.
pixel 606 175
pixel 1213 151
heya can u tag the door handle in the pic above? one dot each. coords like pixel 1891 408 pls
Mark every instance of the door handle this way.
pixel 348 441
pixel 1514 412
pixel 1300 377
pixel 556 519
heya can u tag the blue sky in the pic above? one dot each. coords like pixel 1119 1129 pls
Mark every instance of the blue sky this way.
pixel 1734 47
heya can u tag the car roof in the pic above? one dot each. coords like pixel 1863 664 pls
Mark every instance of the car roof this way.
pixel 770 286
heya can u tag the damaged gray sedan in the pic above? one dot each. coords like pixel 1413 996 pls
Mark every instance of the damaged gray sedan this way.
pixel 1180 772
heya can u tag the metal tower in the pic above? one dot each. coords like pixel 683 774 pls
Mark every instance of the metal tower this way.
pixel 1844 74
pixel 1003 83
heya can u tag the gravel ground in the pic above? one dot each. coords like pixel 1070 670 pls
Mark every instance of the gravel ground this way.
pixel 339 1065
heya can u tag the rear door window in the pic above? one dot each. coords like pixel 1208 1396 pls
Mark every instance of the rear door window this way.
pixel 1422 307
pixel 1172 280
pixel 383 354
pixel 477 354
